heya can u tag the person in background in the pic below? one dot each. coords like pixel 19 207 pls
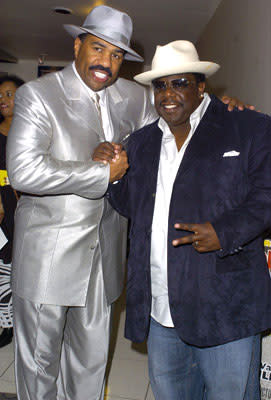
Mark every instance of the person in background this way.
pixel 8 201
pixel 198 195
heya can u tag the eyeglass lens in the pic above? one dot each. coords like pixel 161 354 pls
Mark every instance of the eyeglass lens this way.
pixel 178 84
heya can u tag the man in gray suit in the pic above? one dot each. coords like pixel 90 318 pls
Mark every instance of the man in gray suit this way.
pixel 69 250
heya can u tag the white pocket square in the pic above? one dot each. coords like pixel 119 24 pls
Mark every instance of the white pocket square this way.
pixel 232 153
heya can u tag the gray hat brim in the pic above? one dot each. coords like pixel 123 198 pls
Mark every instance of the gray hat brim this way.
pixel 130 54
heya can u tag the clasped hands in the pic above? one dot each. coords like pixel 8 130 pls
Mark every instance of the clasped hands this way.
pixel 114 155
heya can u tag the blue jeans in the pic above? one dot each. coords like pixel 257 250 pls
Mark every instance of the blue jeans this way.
pixel 179 371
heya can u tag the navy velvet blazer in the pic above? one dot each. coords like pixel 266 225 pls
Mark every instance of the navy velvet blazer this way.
pixel 224 178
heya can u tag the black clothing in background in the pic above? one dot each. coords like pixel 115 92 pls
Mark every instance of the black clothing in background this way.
pixel 9 202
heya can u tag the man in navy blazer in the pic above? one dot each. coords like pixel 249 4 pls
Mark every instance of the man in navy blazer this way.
pixel 198 194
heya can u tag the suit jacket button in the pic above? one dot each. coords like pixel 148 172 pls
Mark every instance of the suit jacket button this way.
pixel 153 194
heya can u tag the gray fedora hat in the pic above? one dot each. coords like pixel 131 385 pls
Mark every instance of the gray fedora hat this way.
pixel 111 25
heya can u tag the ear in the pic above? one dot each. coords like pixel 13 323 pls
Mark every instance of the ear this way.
pixel 76 47
pixel 201 88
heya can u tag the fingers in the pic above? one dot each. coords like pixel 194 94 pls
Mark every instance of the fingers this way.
pixel 123 159
pixel 117 147
pixel 106 152
pixel 184 240
pixel 234 102
pixel 119 168
pixel 197 246
pixel 225 99
pixel 196 240
pixel 228 100
pixel 186 227
pixel 241 106
pixel 189 238
pixel 250 107
pixel 203 239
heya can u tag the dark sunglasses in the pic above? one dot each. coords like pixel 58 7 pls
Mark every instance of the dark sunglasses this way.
pixel 177 84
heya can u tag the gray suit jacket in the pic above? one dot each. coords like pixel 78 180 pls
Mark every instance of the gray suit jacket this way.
pixel 62 217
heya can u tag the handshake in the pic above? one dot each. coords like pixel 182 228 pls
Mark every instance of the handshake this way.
pixel 114 155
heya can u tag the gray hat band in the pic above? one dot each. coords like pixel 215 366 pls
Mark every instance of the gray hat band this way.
pixel 108 32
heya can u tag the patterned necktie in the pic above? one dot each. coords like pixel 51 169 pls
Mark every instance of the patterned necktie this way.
pixel 96 101
pixel 97 104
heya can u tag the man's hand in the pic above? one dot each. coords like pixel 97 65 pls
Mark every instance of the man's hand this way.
pixel 118 167
pixel 107 152
pixel 234 102
pixel 203 239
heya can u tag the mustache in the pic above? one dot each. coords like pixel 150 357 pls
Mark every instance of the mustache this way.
pixel 101 68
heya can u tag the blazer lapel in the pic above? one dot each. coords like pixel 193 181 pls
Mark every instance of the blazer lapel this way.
pixel 79 102
pixel 117 108
pixel 202 142
pixel 152 152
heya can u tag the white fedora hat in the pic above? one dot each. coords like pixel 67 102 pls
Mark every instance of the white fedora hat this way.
pixel 111 25
pixel 176 58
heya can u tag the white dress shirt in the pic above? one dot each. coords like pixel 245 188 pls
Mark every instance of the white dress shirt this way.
pixel 106 119
pixel 170 161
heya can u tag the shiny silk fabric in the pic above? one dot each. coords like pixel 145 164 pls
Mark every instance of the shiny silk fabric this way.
pixel 62 217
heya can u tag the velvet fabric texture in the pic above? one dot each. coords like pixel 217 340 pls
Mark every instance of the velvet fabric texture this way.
pixel 224 178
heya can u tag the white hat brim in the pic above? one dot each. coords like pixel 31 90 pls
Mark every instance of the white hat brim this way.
pixel 202 67
pixel 130 54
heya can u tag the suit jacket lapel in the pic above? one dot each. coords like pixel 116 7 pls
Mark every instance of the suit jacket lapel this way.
pixel 152 154
pixel 202 142
pixel 117 106
pixel 79 102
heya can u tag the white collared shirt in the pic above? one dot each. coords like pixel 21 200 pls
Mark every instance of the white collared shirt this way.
pixel 106 119
pixel 170 161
